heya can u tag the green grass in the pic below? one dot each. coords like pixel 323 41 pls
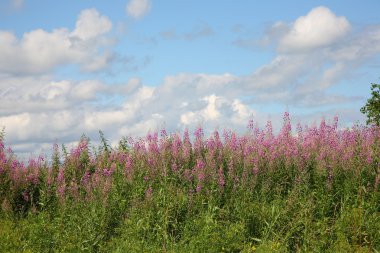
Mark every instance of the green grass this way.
pixel 303 219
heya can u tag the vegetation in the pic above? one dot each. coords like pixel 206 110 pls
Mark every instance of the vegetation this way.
pixel 372 107
pixel 315 189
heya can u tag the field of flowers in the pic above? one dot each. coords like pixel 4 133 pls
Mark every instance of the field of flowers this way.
pixel 308 189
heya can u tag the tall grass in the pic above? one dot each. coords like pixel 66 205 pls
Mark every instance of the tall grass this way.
pixel 312 189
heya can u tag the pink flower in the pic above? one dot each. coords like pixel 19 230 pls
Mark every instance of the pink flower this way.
pixel 198 133
pixel 163 133
pixel 86 177
pixel 107 172
pixel 199 187
pixel 61 176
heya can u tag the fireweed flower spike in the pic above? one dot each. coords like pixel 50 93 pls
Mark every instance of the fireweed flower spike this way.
pixel 171 177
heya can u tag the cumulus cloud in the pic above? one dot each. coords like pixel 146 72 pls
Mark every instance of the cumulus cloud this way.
pixel 317 29
pixel 91 24
pixel 137 8
pixel 39 51
pixel 210 111
pixel 191 99
pixel 320 27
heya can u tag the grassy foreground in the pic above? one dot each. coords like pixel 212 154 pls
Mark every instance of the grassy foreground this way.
pixel 310 190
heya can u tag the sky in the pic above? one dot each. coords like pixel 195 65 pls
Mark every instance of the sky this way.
pixel 129 67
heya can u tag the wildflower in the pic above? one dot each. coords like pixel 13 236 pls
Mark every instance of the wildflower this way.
pixel 234 142
pixel 61 176
pixel 198 133
pixel 163 133
pixel 200 164
pixel 199 187
pixel 107 172
pixel 198 144
pixel 176 145
pixel 86 178
pixel 129 165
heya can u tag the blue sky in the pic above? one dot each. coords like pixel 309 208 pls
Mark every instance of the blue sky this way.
pixel 133 66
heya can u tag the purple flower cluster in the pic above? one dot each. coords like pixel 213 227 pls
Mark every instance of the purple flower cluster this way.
pixel 205 164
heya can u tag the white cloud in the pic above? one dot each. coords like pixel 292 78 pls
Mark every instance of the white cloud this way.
pixel 35 94
pixel 138 8
pixel 14 125
pixel 138 100
pixel 211 112
pixel 39 51
pixel 97 120
pixel 48 110
pixel 242 113
pixel 91 24
pixel 40 110
pixel 320 27
pixel 219 111
pixel 87 90
pixel 317 29
pixel 189 117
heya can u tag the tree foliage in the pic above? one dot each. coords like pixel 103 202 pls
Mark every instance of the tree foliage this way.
pixel 372 107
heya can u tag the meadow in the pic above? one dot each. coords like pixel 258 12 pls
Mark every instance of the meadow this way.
pixel 304 189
